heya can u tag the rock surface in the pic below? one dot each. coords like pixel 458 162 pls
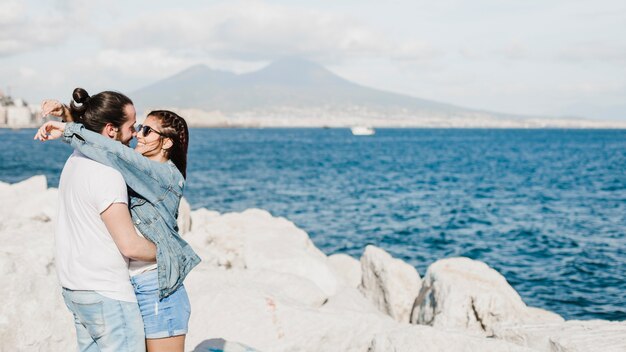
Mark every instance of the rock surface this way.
pixel 347 268
pixel 254 239
pixel 184 216
pixel 569 336
pixel 467 295
pixel 391 284
pixel 33 316
pixel 422 338
pixel 26 202
pixel 240 305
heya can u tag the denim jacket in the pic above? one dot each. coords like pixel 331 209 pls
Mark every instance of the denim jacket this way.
pixel 156 189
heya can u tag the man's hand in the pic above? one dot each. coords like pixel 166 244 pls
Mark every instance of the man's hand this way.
pixel 117 220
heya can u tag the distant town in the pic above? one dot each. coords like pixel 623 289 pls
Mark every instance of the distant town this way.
pixel 17 113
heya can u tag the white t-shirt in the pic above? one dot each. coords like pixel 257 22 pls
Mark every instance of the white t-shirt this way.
pixel 86 255
pixel 136 267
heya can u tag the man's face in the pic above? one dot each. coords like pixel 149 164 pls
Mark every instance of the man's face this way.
pixel 127 130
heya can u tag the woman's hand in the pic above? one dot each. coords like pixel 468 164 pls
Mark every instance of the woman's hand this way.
pixel 50 130
pixel 55 108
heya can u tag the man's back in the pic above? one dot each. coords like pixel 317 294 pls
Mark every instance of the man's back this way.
pixel 87 257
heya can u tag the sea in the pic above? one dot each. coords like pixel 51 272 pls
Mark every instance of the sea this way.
pixel 546 208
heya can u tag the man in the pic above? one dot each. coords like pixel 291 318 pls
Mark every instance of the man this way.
pixel 95 236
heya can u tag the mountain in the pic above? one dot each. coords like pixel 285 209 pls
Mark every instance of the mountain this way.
pixel 287 82
pixel 297 92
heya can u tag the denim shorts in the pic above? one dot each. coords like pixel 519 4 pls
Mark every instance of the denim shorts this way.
pixel 164 318
pixel 105 324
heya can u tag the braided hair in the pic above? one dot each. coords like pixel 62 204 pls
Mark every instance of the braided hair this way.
pixel 174 127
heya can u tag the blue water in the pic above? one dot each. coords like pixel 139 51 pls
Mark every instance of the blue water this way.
pixel 546 208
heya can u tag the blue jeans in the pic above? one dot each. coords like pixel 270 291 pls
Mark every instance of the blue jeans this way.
pixel 161 318
pixel 104 324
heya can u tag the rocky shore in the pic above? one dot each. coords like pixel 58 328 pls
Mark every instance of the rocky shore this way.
pixel 264 286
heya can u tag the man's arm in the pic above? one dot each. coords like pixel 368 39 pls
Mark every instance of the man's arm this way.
pixel 117 220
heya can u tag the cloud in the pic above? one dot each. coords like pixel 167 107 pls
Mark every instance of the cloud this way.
pixel 256 31
pixel 470 53
pixel 147 62
pixel 21 31
pixel 27 72
pixel 415 51
pixel 593 51
pixel 10 12
pixel 513 50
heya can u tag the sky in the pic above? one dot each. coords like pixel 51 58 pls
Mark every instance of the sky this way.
pixel 561 58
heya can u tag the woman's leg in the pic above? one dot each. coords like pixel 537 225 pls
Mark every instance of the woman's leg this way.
pixel 165 321
pixel 166 344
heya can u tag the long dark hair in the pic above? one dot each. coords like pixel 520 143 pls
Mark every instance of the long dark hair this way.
pixel 174 127
pixel 94 112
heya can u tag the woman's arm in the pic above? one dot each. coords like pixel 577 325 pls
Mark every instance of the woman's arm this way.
pixel 146 177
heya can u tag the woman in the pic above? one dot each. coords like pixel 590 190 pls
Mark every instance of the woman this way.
pixel 155 171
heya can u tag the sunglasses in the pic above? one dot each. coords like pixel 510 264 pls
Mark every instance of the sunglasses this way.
pixel 145 130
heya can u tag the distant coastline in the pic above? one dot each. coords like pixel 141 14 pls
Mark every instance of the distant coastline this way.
pixel 306 118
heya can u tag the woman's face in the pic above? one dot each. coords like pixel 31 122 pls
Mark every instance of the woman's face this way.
pixel 150 143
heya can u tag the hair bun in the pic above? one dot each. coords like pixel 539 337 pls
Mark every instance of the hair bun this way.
pixel 80 96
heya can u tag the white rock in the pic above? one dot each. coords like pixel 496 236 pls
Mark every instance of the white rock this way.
pixel 391 284
pixel 464 294
pixel 201 217
pixel 41 206
pixel 229 312
pixel 351 299
pixel 27 200
pixel 428 339
pixel 569 336
pixel 33 316
pixel 255 239
pixel 29 186
pixel 184 216
pixel 240 305
pixel 347 268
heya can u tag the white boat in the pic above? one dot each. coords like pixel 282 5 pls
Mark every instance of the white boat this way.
pixel 363 131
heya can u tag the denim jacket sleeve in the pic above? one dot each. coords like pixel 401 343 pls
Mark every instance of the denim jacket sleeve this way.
pixel 140 173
